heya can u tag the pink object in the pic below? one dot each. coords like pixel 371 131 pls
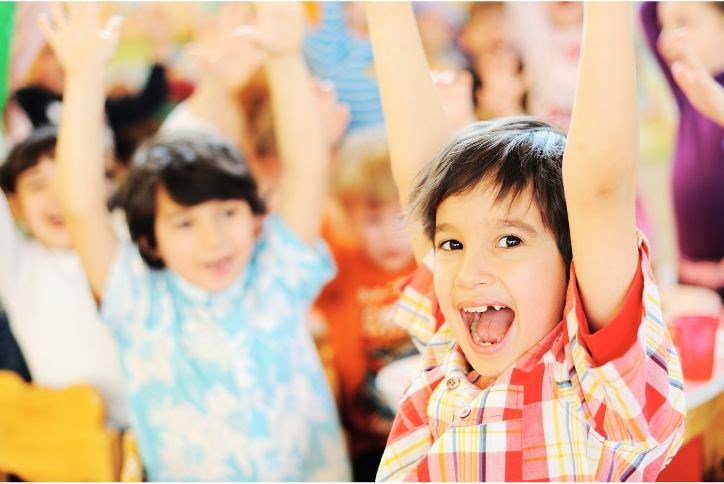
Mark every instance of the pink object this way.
pixel 695 338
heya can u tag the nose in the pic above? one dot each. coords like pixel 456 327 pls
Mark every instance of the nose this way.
pixel 211 234
pixel 476 268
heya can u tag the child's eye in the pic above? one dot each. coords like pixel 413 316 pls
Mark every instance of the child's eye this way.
pixel 183 224
pixel 229 212
pixel 508 241
pixel 450 245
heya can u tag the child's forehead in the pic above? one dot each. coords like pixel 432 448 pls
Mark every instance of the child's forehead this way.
pixel 44 163
pixel 165 204
pixel 485 201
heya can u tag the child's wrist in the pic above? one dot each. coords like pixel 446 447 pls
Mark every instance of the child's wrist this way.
pixel 283 57
pixel 85 75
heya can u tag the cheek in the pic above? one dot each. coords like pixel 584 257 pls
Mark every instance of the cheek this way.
pixel 32 207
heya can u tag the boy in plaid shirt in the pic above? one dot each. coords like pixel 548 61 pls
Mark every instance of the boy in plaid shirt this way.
pixel 543 369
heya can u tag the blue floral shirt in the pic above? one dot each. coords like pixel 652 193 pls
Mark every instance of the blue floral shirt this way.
pixel 228 386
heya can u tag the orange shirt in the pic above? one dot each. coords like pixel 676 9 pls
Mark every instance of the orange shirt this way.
pixel 357 306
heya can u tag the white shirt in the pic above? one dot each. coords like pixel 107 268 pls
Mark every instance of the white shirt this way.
pixel 54 318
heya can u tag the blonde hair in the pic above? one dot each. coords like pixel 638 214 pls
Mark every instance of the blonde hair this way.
pixel 363 170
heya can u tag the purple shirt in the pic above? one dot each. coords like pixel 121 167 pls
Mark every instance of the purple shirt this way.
pixel 698 171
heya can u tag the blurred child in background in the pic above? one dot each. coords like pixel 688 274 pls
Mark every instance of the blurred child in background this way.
pixel 548 37
pixel 499 80
pixel 358 303
pixel 687 40
pixel 208 303
pixel 42 284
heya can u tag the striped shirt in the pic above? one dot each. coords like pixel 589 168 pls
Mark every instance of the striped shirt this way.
pixel 607 406
pixel 335 54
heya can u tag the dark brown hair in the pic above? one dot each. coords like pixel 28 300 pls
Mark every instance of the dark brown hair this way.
pixel 193 169
pixel 511 154
pixel 26 154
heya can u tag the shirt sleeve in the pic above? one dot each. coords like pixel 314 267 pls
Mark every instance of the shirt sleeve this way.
pixel 126 298
pixel 417 310
pixel 285 267
pixel 628 374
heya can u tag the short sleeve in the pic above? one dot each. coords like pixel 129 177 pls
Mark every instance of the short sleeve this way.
pixel 285 266
pixel 634 391
pixel 417 310
pixel 126 298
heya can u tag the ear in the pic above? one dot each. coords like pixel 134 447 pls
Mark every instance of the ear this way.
pixel 146 249
pixel 15 207
pixel 258 225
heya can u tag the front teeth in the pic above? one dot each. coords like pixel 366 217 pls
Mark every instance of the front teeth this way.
pixel 478 309
pixel 481 309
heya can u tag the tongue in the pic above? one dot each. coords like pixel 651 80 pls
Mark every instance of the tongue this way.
pixel 493 324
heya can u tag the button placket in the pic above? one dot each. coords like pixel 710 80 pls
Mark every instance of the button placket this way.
pixel 452 383
pixel 465 411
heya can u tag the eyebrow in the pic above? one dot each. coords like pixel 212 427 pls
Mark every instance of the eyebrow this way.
pixel 173 213
pixel 517 224
pixel 500 224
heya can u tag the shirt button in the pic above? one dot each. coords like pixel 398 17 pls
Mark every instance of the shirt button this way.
pixel 452 383
pixel 464 412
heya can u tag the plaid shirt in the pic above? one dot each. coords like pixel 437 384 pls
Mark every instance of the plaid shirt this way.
pixel 607 406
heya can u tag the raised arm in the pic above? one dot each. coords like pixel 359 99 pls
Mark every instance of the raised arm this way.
pixel 300 132
pixel 600 162
pixel 84 48
pixel 694 79
pixel 416 124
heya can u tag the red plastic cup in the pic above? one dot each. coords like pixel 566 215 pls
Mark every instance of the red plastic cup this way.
pixel 695 338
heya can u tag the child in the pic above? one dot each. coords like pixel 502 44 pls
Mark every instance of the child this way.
pixel 544 369
pixel 687 40
pixel 358 303
pixel 499 80
pixel 42 285
pixel 548 36
pixel 208 306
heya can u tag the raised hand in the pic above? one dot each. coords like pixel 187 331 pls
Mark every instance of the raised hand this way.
pixel 335 115
pixel 229 49
pixel 455 88
pixel 692 76
pixel 281 27
pixel 75 34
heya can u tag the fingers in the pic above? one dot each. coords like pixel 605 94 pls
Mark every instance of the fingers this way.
pixel 48 31
pixel 57 14
pixel 113 25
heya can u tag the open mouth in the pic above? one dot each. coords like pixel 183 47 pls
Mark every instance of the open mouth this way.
pixel 219 266
pixel 56 220
pixel 488 325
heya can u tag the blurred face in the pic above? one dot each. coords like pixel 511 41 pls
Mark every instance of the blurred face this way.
pixel 435 31
pixel 704 27
pixel 499 277
pixel 208 244
pixel 36 205
pixel 486 32
pixel 381 233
